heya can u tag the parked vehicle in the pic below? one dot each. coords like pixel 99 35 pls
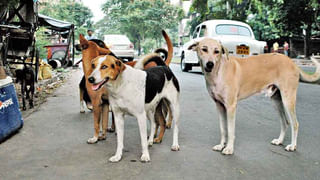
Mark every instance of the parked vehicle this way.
pixel 120 45
pixel 236 36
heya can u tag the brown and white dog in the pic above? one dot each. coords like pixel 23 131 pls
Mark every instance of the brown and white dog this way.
pixel 231 79
pixel 137 93
pixel 99 100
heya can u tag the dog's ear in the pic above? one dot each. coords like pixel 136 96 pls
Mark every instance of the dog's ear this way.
pixel 193 46
pixel 84 44
pixel 104 51
pixel 225 52
pixel 121 65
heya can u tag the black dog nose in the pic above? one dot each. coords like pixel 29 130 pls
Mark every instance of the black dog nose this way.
pixel 91 79
pixel 209 65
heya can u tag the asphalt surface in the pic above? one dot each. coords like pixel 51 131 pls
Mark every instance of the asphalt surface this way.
pixel 52 143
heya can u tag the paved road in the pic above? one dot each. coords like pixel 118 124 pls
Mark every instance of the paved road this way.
pixel 52 144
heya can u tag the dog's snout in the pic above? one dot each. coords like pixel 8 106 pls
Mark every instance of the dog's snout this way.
pixel 209 66
pixel 91 79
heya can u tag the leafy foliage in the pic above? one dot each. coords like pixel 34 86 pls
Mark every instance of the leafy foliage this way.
pixel 41 42
pixel 218 9
pixel 139 20
pixel 70 11
pixel 8 3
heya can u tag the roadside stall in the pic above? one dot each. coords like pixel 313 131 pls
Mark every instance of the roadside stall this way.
pixel 18 24
pixel 59 54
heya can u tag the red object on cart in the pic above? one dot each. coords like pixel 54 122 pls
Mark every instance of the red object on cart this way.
pixel 57 51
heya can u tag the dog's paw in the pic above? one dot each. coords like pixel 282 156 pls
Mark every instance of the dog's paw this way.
pixel 276 142
pixel 110 130
pixel 145 157
pixel 150 143
pixel 90 107
pixel 218 147
pixel 115 158
pixel 82 111
pixel 102 137
pixel 92 140
pixel 175 148
pixel 227 151
pixel 290 147
pixel 168 126
pixel 157 140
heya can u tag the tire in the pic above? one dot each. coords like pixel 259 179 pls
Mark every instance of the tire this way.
pixel 185 67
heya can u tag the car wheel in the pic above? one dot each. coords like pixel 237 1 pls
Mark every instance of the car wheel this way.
pixel 184 66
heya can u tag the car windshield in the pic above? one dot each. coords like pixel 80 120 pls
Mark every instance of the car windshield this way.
pixel 116 39
pixel 229 29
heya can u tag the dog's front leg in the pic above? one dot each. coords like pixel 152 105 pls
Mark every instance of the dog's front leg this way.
pixel 119 120
pixel 23 89
pixel 231 116
pixel 31 95
pixel 96 118
pixel 142 122
pixel 105 120
pixel 223 125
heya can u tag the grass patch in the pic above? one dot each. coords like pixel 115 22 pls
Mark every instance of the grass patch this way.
pixel 308 72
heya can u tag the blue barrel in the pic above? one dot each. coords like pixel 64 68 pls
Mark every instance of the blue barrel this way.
pixel 10 116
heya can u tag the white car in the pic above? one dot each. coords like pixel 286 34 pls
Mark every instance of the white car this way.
pixel 236 36
pixel 120 45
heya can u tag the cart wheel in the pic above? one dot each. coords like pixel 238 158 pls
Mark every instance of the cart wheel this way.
pixel 37 64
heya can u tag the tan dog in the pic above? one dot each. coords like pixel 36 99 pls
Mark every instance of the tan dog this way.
pixel 231 79
pixel 99 98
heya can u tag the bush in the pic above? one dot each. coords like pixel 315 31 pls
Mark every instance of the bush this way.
pixel 41 41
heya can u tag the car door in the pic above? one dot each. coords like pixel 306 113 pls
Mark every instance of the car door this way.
pixel 191 56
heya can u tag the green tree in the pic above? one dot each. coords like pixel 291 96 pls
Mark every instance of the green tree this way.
pixel 285 18
pixel 296 16
pixel 142 19
pixel 218 9
pixel 262 17
pixel 70 11
pixel 7 3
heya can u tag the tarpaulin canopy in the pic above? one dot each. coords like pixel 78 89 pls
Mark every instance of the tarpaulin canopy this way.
pixel 54 24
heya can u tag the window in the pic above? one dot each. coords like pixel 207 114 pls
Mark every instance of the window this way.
pixel 203 31
pixel 228 29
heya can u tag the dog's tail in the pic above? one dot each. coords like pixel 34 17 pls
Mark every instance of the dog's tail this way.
pixel 170 47
pixel 154 59
pixel 311 78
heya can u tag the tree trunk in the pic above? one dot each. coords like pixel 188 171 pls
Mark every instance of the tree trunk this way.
pixel 290 47
pixel 139 47
pixel 307 42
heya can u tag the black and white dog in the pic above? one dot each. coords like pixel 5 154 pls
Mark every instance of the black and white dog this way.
pixel 136 92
